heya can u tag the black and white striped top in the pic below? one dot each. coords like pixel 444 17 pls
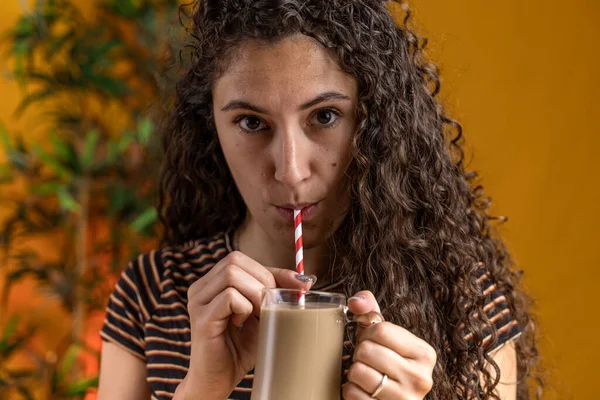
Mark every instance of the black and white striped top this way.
pixel 147 311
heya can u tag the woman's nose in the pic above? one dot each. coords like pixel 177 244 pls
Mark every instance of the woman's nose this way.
pixel 292 157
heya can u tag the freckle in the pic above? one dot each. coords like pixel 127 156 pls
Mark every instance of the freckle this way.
pixel 334 164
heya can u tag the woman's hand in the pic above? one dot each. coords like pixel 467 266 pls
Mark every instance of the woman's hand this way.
pixel 385 348
pixel 224 306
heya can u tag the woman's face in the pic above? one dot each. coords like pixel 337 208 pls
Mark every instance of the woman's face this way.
pixel 285 117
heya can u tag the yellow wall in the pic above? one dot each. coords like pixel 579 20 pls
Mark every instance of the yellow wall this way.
pixel 9 94
pixel 521 77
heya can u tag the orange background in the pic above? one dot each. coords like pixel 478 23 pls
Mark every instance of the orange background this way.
pixel 521 76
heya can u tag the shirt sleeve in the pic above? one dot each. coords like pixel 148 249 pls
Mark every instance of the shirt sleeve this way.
pixel 124 320
pixel 498 312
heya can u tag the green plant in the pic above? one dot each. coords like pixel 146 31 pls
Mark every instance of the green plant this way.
pixel 89 185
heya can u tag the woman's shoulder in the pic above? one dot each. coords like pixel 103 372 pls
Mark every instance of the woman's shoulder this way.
pixel 197 254
pixel 158 271
pixel 155 284
pixel 501 326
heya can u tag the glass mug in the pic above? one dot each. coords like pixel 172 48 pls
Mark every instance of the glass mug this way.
pixel 301 339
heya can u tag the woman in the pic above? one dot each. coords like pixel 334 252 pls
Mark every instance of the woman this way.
pixel 328 107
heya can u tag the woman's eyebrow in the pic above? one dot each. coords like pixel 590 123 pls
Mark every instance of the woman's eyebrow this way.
pixel 240 104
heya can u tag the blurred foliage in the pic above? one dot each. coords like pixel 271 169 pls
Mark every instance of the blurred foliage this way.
pixel 90 185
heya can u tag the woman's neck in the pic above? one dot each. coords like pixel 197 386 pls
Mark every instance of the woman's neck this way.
pixel 253 241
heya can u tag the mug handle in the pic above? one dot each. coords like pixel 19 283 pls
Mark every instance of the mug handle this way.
pixel 363 320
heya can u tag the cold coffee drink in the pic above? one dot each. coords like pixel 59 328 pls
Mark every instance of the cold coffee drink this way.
pixel 300 350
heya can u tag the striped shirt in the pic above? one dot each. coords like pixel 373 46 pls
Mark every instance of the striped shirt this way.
pixel 147 312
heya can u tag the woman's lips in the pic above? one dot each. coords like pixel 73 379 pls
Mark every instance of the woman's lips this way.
pixel 288 213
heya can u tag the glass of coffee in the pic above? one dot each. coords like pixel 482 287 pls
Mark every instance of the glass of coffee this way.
pixel 301 339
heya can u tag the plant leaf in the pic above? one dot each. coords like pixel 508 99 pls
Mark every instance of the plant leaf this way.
pixel 66 200
pixel 145 128
pixel 5 139
pixel 5 173
pixel 18 160
pixel 12 340
pixel 57 43
pixel 21 373
pixel 46 188
pixel 25 392
pixel 20 144
pixel 80 387
pixel 52 163
pixel 112 152
pixel 108 85
pixel 61 148
pixel 66 364
pixel 89 149
pixel 9 330
pixel 33 98
pixel 24 27
pixel 123 8
pixel 144 220
pixel 125 141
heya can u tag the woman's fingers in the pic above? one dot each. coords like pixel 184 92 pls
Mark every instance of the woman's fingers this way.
pixel 412 376
pixel 363 302
pixel 401 341
pixel 246 275
pixel 368 379
pixel 288 279
pixel 351 391
pixel 380 358
pixel 270 277
pixel 234 277
pixel 405 377
pixel 365 309
pixel 239 259
pixel 229 303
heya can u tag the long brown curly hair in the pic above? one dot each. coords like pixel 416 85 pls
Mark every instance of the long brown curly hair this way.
pixel 418 224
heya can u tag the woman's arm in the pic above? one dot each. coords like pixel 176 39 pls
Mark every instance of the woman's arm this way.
pixel 122 375
pixel 506 358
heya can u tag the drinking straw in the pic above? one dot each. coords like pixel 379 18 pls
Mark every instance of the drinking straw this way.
pixel 299 251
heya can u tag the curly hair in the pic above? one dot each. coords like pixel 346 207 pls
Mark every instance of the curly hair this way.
pixel 417 217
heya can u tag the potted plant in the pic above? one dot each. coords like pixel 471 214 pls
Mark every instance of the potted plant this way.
pixel 80 202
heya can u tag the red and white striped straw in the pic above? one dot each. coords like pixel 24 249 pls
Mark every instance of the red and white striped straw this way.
pixel 298 239
pixel 299 251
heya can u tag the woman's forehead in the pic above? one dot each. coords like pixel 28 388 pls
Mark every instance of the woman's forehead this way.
pixel 294 66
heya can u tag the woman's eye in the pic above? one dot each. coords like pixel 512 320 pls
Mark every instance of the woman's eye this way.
pixel 326 117
pixel 250 123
